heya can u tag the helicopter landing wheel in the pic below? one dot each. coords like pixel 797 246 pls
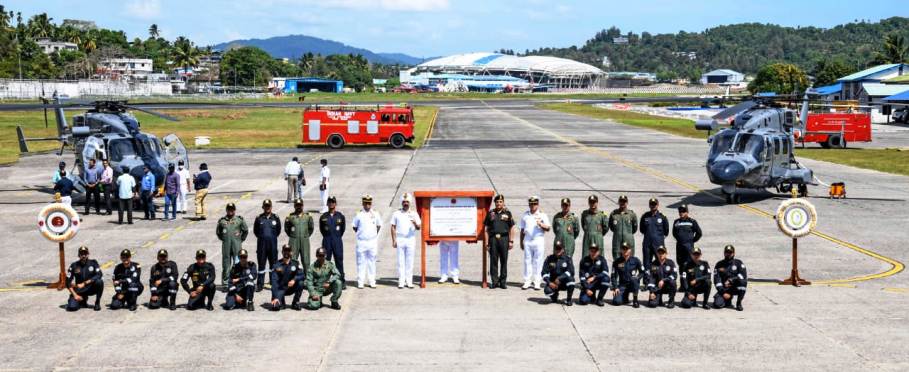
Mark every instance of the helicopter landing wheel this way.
pixel 803 191
pixel 732 198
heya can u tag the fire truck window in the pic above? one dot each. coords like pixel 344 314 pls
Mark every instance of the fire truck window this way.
pixel 386 118
pixel 402 118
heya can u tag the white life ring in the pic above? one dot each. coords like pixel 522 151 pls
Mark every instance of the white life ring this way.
pixel 796 217
pixel 58 222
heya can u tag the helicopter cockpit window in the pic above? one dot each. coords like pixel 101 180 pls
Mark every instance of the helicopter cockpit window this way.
pixel 120 149
pixel 721 142
pixel 750 144
pixel 151 147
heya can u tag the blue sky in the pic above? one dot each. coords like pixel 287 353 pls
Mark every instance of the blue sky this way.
pixel 426 28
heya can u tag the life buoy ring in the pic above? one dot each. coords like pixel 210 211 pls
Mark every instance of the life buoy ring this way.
pixel 796 217
pixel 58 222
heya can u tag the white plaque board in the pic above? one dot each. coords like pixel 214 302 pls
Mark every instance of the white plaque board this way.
pixel 453 217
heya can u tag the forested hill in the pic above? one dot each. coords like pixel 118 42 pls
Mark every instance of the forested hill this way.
pixel 741 47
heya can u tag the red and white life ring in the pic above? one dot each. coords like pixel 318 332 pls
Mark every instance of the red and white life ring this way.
pixel 58 222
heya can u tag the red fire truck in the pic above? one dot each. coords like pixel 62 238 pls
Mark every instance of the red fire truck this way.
pixel 834 130
pixel 337 125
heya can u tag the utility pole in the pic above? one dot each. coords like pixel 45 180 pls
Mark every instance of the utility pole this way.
pixel 19 54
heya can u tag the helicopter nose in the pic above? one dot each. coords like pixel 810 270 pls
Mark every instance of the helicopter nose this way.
pixel 727 170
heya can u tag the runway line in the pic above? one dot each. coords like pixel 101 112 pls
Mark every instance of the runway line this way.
pixel 896 266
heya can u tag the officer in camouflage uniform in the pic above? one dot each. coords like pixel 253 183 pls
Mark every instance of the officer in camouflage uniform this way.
pixel 83 279
pixel 624 224
pixel 322 279
pixel 267 229
pixel 242 287
pixel 163 283
pixel 231 231
pixel 566 227
pixel 127 283
pixel 594 224
pixel 201 275
pixel 695 278
pixel 299 227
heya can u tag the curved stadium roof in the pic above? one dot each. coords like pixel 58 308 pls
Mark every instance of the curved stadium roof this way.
pixel 501 62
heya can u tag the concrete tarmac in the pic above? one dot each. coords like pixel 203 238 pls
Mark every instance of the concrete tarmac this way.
pixel 852 318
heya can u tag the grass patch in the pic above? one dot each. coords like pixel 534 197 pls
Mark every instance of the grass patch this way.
pixel 884 160
pixel 233 129
pixel 395 97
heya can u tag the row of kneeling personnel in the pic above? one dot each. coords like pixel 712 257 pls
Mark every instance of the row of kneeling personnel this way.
pixel 661 277
pixel 289 278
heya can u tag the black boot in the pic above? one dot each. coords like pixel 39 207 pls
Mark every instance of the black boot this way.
pixel 634 302
pixel 738 302
pixel 250 306
pixel 335 305
pixel 568 296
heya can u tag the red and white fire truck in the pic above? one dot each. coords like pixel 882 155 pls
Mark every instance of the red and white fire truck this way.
pixel 337 125
pixel 835 130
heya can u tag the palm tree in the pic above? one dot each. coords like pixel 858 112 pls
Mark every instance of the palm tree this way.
pixel 153 31
pixel 894 50
pixel 89 45
pixel 185 54
pixel 40 26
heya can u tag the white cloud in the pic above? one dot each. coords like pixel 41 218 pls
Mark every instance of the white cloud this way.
pixel 143 9
pixel 366 5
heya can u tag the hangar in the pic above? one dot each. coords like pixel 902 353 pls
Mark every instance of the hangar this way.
pixel 556 73
pixel 291 85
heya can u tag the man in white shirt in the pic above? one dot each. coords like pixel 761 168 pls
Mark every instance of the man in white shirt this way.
pixel 126 190
pixel 107 185
pixel 404 225
pixel 448 261
pixel 185 185
pixel 534 224
pixel 291 171
pixel 366 225
pixel 324 176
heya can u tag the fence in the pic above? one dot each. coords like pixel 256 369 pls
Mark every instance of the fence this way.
pixel 31 89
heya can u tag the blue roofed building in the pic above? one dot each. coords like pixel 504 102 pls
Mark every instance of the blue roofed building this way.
pixel 852 84
pixel 293 85
pixel 833 92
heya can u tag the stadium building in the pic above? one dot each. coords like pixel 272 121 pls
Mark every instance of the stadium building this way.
pixel 551 72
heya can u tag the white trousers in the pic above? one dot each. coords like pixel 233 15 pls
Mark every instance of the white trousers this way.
pixel 405 260
pixel 68 200
pixel 367 250
pixel 533 260
pixel 324 195
pixel 181 200
pixel 448 258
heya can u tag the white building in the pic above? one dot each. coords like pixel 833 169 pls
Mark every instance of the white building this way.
pixel 556 73
pixel 723 77
pixel 49 46
pixel 872 94
pixel 132 67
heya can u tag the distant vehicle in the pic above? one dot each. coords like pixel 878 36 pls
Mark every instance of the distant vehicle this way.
pixel 901 115
pixel 338 125
pixel 755 151
pixel 107 131
pixel 835 130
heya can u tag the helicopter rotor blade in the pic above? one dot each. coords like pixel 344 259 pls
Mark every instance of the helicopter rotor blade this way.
pixel 150 112
pixel 734 110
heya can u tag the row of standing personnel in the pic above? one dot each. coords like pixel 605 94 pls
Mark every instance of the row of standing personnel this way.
pixel 567 227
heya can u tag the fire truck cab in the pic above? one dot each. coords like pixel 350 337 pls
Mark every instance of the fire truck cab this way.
pixel 337 125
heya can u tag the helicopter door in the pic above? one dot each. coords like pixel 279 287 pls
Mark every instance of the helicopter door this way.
pixel 314 130
pixel 93 148
pixel 174 151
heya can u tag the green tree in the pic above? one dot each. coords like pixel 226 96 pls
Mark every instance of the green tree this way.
pixel 185 54
pixel 894 50
pixel 244 66
pixel 826 72
pixel 780 78
pixel 153 31
pixel 40 26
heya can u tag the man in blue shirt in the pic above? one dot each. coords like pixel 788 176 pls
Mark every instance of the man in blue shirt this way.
pixel 92 186
pixel 147 193
pixel 200 184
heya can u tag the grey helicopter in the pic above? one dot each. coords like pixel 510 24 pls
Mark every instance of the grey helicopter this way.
pixel 754 149
pixel 108 131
